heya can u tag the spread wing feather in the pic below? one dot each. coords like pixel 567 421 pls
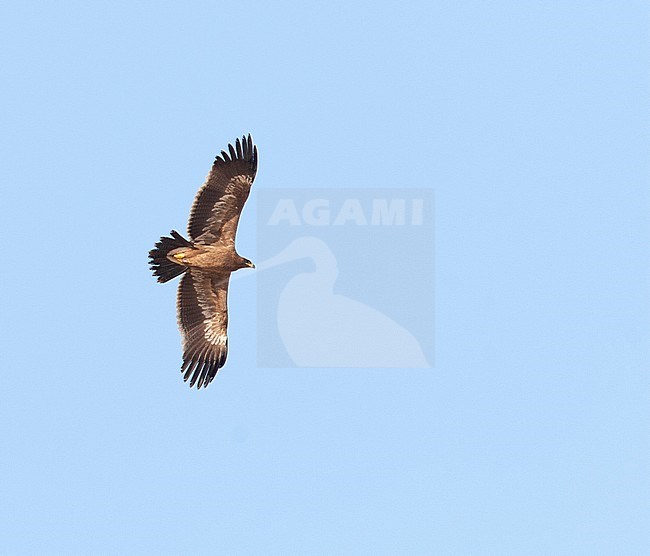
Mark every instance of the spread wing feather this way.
pixel 219 202
pixel 203 321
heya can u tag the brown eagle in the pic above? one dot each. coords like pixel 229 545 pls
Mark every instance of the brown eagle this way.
pixel 206 261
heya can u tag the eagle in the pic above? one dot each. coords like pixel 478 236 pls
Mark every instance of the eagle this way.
pixel 206 260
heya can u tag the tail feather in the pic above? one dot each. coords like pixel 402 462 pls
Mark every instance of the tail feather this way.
pixel 160 265
pixel 180 239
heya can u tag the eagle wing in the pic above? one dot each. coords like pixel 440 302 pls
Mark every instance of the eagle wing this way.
pixel 203 321
pixel 219 202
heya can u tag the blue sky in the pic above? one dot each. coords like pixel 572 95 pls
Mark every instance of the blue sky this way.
pixel 529 435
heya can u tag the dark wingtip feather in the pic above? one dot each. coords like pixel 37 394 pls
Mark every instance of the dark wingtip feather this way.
pixel 190 370
pixel 196 368
pixel 204 369
pixel 200 367
pixel 243 149
pixel 248 141
pixel 200 372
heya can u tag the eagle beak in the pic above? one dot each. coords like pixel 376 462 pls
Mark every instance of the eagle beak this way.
pixel 250 264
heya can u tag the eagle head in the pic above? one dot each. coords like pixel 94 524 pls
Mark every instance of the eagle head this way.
pixel 245 263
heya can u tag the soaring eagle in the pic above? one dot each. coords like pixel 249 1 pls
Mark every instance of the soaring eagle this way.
pixel 206 261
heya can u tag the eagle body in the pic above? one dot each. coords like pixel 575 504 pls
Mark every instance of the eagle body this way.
pixel 215 257
pixel 206 260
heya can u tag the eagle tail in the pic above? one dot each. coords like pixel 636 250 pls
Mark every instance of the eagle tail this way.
pixel 160 265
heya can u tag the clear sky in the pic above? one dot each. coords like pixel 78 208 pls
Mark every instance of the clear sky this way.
pixel 528 436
